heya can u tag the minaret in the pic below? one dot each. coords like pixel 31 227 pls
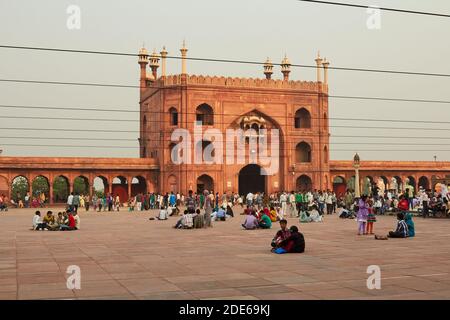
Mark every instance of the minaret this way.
pixel 319 64
pixel 163 61
pixel 154 64
pixel 325 64
pixel 183 51
pixel 143 61
pixel 285 68
pixel 268 69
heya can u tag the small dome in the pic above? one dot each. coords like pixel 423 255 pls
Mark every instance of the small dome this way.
pixel 143 52
pixel 285 60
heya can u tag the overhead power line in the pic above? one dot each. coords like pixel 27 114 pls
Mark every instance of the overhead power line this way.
pixel 160 121
pixel 381 8
pixel 132 147
pixel 135 140
pixel 211 89
pixel 220 114
pixel 400 72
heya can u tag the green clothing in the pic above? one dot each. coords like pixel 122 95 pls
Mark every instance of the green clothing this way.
pixel 298 198
pixel 266 223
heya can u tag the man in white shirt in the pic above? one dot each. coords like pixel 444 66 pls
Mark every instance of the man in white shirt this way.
pixel 249 199
pixel 70 201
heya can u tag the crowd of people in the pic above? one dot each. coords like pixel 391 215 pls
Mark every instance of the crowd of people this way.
pixel 424 202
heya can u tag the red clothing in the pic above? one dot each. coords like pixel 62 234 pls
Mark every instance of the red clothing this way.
pixel 71 221
pixel 403 205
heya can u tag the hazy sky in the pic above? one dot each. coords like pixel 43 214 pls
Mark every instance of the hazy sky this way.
pixel 234 29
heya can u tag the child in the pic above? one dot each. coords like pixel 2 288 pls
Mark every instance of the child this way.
pixel 361 217
pixel 371 218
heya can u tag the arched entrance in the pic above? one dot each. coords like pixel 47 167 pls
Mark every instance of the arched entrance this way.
pixel 4 186
pixel 424 183
pixel 339 185
pixel 61 189
pixel 251 179
pixel 303 183
pixel 138 185
pixel 205 182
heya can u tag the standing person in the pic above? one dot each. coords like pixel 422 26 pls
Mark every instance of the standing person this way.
pixel 87 202
pixel 109 202
pixel 139 201
pixel 208 208
pixel 76 202
pixel 371 219
pixel 190 202
pixel 249 199
pixel 362 215
pixel 425 201
pixel 94 201
pixel 26 200
pixel 172 199
pixel 329 202
pixel 283 201
pixel 70 202
pixel 334 202
pixel 117 202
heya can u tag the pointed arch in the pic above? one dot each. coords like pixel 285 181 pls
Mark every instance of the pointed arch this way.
pixel 302 119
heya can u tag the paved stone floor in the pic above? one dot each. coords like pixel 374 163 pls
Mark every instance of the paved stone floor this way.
pixel 126 256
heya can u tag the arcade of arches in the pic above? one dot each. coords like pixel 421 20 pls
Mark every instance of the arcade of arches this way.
pixel 57 177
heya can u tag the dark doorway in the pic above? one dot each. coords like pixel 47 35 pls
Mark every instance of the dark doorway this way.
pixel 251 180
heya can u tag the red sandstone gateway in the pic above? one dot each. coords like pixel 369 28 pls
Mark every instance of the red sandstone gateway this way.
pixel 297 109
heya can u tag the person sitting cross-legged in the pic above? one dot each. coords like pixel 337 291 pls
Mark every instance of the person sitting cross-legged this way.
pixel 264 221
pixel 251 221
pixel 281 235
pixel 37 222
pixel 72 225
pixel 295 243
pixel 402 228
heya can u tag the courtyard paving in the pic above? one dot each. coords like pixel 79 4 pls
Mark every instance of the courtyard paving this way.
pixel 125 256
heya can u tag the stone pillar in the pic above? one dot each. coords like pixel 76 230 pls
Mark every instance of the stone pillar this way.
pixel 110 186
pixel 357 188
pixel 50 201
pixel 129 184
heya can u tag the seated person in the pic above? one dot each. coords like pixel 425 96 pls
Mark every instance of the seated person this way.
pixel 229 211
pixel 163 215
pixel 273 215
pixel 410 224
pixel 304 216
pixel 281 235
pixel 186 221
pixel 71 224
pixel 220 215
pixel 295 243
pixel 77 219
pixel 14 204
pixel 62 220
pixel 264 221
pixel 37 222
pixel 315 215
pixel 402 228
pixel 251 221
pixel 50 221
pixel 199 220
